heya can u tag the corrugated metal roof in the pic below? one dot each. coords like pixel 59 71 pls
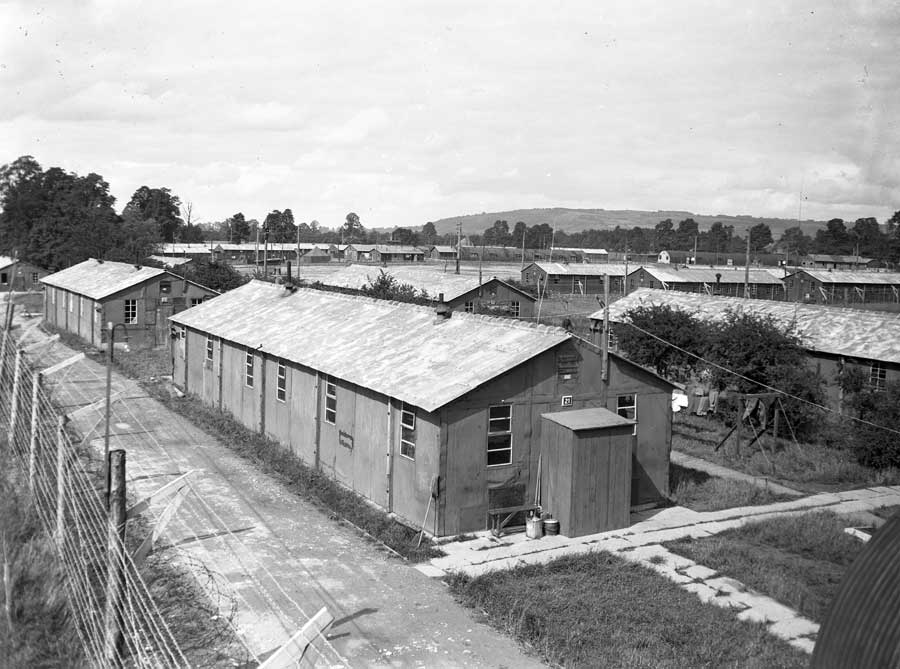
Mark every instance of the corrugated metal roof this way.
pixel 857 278
pixel 176 248
pixel 443 249
pixel 171 261
pixel 862 626
pixel 273 246
pixel 6 261
pixel 707 275
pixel 857 333
pixel 431 279
pixel 589 252
pixel 588 419
pixel 97 279
pixel 391 248
pixel 824 257
pixel 583 269
pixel 399 350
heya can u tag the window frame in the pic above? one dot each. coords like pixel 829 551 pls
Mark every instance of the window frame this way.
pixel 35 277
pixel 469 307
pixel 408 436
pixel 514 308
pixel 133 320
pixel 499 433
pixel 330 394
pixel 877 376
pixel 632 407
pixel 249 369
pixel 281 382
pixel 196 301
pixel 210 348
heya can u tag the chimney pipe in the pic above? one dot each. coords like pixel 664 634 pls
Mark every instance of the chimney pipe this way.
pixel 289 282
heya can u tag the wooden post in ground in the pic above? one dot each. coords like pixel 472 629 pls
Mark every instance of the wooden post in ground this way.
pixel 33 441
pixel 60 482
pixel 115 577
pixel 14 405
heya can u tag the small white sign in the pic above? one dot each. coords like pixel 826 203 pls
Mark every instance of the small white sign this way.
pixel 567 400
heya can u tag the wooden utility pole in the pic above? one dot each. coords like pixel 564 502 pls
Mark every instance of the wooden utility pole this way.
pixel 110 334
pixel 747 268
pixel 604 343
pixel 14 405
pixel 458 243
pixel 115 576
pixel 524 229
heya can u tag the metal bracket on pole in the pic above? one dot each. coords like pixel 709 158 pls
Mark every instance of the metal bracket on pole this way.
pixel 62 365
pixel 43 342
pixel 290 654
pixel 178 490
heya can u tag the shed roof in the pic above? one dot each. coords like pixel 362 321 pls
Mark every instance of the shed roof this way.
pixel 399 350
pixel 857 333
pixel 581 269
pixel 171 261
pixel 850 277
pixel 429 278
pixel 170 248
pixel 6 261
pixel 443 249
pixel 97 279
pixel 588 419
pixel 397 248
pixel 668 274
pixel 824 257
pixel 581 250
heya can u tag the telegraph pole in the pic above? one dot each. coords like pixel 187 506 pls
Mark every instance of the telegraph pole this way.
pixel 458 243
pixel 115 577
pixel 747 268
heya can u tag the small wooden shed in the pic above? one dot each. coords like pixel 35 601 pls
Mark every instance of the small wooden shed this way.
pixel 586 470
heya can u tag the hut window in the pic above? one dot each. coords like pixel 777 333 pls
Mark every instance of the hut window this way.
pixel 330 402
pixel 248 369
pixel 196 300
pixel 209 348
pixel 556 278
pixel 165 286
pixel 130 312
pixel 499 440
pixel 34 277
pixel 408 433
pixel 281 386
pixel 877 375
pixel 626 406
pixel 469 307
pixel 514 309
pixel 4 278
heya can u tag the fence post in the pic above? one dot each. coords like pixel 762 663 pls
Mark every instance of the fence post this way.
pixel 14 405
pixel 33 441
pixel 60 482
pixel 115 577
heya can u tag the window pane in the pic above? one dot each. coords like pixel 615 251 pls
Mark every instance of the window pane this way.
pixel 499 411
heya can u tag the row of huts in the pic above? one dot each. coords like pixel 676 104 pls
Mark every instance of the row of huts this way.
pixel 815 286
pixel 427 412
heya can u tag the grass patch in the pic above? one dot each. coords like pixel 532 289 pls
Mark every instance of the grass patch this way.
pixel 35 626
pixel 701 492
pixel 798 560
pixel 886 512
pixel 810 464
pixel 597 610
pixel 149 367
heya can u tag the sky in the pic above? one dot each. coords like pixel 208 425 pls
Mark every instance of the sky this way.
pixel 406 112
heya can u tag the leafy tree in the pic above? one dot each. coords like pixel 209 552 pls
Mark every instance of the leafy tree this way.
pixel 219 276
pixel 137 239
pixel 795 242
pixel 834 238
pixel 352 230
pixel 672 325
pixel 405 236
pixel 386 287
pixel 520 231
pixel 893 237
pixel 717 238
pixel 498 234
pixel 280 227
pixel 238 228
pixel 664 235
pixel 760 237
pixel 685 234
pixel 873 445
pixel 160 205
pixel 429 233
pixel 870 240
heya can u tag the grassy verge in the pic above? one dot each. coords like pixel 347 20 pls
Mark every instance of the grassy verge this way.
pixel 35 627
pixel 149 366
pixel 597 610
pixel 701 492
pixel 797 560
pixel 807 465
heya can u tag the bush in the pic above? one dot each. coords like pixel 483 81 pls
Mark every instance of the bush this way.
pixel 874 445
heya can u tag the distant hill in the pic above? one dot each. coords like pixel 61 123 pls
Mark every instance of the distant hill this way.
pixel 576 220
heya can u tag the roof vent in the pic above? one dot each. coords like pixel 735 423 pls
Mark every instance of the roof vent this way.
pixel 137 266
pixel 443 312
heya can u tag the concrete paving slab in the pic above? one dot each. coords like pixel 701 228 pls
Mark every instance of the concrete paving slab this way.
pixel 698 572
pixel 793 628
pixel 703 591
pixel 804 644
pixel 726 584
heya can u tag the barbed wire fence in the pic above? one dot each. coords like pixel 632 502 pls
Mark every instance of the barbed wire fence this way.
pixel 69 497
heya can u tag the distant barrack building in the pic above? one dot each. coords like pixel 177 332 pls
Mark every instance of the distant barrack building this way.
pixel 762 283
pixel 20 275
pixel 821 286
pixel 460 292
pixel 553 278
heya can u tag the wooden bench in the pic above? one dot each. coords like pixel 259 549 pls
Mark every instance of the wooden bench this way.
pixel 498 521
